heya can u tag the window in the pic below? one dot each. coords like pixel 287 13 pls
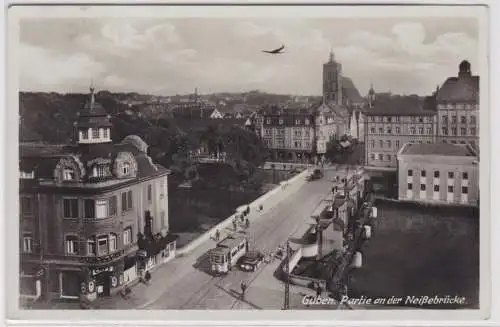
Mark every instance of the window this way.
pixel 101 208
pixel 465 175
pixel 397 144
pixel 372 156
pixel 127 236
pixel 380 156
pixel 412 130
pixel 281 121
pixel 68 174
pixel 429 130
pixel 100 171
pixel 102 245
pixel 450 174
pixel 112 206
pixel 389 143
pixel 381 143
pixel 112 243
pixel 445 131
pixel 105 133
pixel 85 134
pixel 89 208
pixel 163 219
pixel 70 208
pixel 463 120
pixel 95 133
pixel 453 142
pixel 422 173
pixel 307 133
pixel 27 174
pixel 397 118
pixel 150 193
pixel 389 131
pixel 380 130
pixel 422 187
pixel 26 206
pixel 420 120
pixel 306 122
pixel 410 172
pixel 268 121
pixel 373 143
pixel 71 244
pixel 127 201
pixel 380 118
pixel 473 120
pixel 436 174
pixel 436 188
pixel 91 248
pixel 297 122
pixel 298 133
pixel 398 130
pixel 454 131
pixel 27 243
pixel 372 118
pixel 473 131
pixel 410 186
pixel 465 190
pixel 388 157
pixel 126 168
pixel 463 131
pixel 444 119
pixel 420 130
pixel 462 142
pixel 450 189
pixel 412 119
pixel 372 130
pixel 453 119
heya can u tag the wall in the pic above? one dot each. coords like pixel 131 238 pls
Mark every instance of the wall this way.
pixel 268 200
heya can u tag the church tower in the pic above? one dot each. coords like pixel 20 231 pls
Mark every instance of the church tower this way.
pixel 332 81
pixel 93 125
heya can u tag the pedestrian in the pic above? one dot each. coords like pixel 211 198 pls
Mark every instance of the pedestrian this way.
pixel 217 235
pixel 243 289
pixel 247 223
pixel 235 224
pixel 318 290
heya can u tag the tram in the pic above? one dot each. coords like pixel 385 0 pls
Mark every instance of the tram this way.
pixel 227 253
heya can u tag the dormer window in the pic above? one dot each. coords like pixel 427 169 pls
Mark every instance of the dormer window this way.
pixel 100 171
pixel 126 168
pixel 85 134
pixel 95 133
pixel 68 174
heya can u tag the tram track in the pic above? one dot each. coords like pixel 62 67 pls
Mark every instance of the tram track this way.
pixel 264 232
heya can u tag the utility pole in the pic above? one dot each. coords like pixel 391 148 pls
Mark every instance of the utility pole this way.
pixel 286 304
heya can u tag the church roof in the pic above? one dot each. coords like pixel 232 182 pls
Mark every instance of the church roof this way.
pixel 350 90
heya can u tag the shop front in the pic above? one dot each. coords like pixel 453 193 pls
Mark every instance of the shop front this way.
pixel 30 282
pixel 102 276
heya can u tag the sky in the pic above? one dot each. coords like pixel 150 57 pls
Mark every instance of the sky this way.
pixel 175 56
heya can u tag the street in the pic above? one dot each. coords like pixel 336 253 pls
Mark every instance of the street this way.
pixel 196 289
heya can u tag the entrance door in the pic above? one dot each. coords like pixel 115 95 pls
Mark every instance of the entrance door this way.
pixel 106 284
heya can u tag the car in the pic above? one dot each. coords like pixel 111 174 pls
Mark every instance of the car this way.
pixel 251 261
pixel 316 174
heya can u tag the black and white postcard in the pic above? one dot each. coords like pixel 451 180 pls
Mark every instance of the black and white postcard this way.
pixel 249 162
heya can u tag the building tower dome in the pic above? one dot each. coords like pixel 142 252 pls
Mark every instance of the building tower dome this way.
pixel 93 125
pixel 464 69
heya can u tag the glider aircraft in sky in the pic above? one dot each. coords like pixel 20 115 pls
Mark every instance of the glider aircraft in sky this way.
pixel 275 51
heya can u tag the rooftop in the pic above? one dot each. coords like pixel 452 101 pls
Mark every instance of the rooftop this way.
pixel 464 87
pixel 442 149
pixel 399 105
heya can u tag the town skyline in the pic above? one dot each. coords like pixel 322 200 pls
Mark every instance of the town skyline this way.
pixel 175 56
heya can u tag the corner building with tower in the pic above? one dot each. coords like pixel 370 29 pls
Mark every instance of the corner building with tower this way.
pixel 93 214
